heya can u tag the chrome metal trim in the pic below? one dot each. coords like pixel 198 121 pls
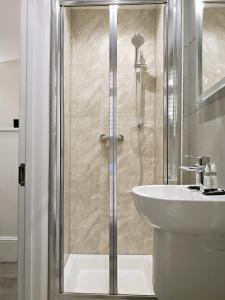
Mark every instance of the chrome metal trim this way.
pixel 165 96
pixel 198 28
pixel 68 296
pixel 178 86
pixel 54 154
pixel 182 144
pixel 170 98
pixel 174 89
pixel 61 113
pixel 113 150
pixel 214 2
pixel 72 3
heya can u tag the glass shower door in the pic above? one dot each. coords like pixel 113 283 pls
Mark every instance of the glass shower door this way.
pixel 140 118
pixel 112 140
pixel 86 150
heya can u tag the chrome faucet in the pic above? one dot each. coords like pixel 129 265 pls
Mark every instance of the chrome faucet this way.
pixel 198 168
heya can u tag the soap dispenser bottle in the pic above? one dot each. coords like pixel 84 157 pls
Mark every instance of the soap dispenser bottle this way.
pixel 207 179
pixel 214 182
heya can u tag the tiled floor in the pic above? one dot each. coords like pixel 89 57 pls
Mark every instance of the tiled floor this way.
pixel 8 281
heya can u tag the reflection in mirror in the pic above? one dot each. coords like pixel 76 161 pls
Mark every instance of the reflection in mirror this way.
pixel 210 32
pixel 9 135
pixel 213 45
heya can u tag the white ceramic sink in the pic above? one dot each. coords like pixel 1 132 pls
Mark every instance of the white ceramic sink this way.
pixel 189 241
pixel 175 208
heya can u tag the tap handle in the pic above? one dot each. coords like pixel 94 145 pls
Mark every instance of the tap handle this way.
pixel 202 160
pixel 192 156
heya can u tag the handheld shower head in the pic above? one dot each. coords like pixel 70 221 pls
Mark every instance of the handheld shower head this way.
pixel 138 40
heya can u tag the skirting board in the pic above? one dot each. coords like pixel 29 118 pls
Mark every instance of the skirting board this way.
pixel 8 249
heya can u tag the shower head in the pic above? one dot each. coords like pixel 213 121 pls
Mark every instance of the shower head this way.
pixel 138 40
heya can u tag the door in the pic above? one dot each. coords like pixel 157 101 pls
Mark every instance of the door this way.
pixel 112 137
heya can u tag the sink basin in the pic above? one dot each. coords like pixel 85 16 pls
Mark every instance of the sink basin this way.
pixel 189 241
pixel 175 208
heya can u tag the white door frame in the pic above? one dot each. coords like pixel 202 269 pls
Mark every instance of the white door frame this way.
pixel 33 150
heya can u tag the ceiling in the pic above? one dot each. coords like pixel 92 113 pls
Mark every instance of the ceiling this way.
pixel 9 30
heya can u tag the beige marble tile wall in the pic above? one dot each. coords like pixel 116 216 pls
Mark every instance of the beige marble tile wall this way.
pixel 89 118
pixel 213 54
pixel 67 131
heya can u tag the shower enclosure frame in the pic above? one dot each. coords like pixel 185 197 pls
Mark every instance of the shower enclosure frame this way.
pixel 172 129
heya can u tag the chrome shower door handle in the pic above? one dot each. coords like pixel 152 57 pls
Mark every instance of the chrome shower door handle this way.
pixel 120 138
pixel 106 138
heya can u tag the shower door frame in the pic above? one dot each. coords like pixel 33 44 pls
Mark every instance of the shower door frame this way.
pixel 172 73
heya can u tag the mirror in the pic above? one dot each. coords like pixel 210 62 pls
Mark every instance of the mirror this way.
pixel 210 26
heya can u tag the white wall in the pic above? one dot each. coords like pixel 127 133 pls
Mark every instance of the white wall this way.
pixel 9 30
pixel 9 110
pixel 8 195
pixel 9 92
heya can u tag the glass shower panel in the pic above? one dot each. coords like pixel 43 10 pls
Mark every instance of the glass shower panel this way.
pixel 86 119
pixel 140 121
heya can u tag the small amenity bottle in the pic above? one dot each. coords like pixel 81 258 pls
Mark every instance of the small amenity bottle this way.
pixel 207 179
pixel 214 182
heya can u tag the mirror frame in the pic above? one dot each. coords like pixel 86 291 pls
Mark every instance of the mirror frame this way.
pixel 218 89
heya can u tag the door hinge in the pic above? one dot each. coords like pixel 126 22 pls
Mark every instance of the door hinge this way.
pixel 22 174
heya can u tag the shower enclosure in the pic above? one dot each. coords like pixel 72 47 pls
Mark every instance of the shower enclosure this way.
pixel 114 104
